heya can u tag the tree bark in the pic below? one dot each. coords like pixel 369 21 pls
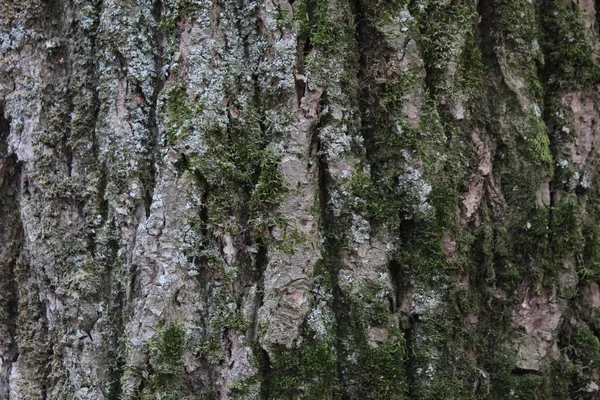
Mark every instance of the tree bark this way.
pixel 303 199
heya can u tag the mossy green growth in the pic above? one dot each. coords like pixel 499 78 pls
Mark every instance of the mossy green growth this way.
pixel 471 74
pixel 381 9
pixel 567 238
pixel 535 142
pixel 525 147
pixel 537 243
pixel 372 367
pixel 307 371
pixel 513 386
pixel 558 380
pixel 241 175
pixel 440 366
pixel 245 389
pixel 517 44
pixel 171 14
pixel 371 350
pixel 421 250
pixel 268 192
pixel 520 189
pixel 369 196
pixel 165 379
pixel 592 317
pixel 580 348
pixel 530 253
pixel 517 23
pixel 370 304
pixel 590 268
pixel 375 371
pixel 443 28
pixel 585 347
pixel 319 23
pixel 567 45
pixel 414 183
pixel 179 111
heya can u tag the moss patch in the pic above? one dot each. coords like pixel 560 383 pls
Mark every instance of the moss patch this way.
pixel 304 372
pixel 165 380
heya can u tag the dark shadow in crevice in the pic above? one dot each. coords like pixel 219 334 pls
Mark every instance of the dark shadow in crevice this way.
pixel 522 372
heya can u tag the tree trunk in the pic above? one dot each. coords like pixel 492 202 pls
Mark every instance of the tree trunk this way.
pixel 303 199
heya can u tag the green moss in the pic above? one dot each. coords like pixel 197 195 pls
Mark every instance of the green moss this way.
pixel 527 149
pixel 535 143
pixel 241 175
pixel 567 238
pixel 590 267
pixel 372 304
pixel 517 43
pixel 369 196
pixel 441 356
pixel 239 171
pixel 174 11
pixel 471 74
pixel 443 28
pixel 319 24
pixel 421 252
pixel 558 380
pixel 518 23
pixel 376 371
pixel 567 45
pixel 244 389
pixel 180 112
pixel 530 255
pixel 580 359
pixel 537 244
pixel 586 347
pixel 165 380
pixel 378 10
pixel 371 368
pixel 307 371
pixel 514 386
pixel 171 14
pixel 268 191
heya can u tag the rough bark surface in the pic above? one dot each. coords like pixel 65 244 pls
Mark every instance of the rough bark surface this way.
pixel 299 199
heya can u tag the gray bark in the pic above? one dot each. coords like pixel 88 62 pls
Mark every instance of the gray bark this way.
pixel 316 199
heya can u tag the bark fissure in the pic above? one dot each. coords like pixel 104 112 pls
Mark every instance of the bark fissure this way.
pixel 332 256
pixel 11 237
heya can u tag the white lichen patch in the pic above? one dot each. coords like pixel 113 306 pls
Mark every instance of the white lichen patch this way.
pixel 425 302
pixel 360 230
pixel 320 320
pixel 417 190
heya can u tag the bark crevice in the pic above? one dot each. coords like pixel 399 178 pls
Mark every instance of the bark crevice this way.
pixel 11 244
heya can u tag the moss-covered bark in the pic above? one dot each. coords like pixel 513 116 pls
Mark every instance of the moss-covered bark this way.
pixel 312 199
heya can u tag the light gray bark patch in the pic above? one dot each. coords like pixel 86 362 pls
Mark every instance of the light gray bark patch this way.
pixel 289 274
pixel 536 320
